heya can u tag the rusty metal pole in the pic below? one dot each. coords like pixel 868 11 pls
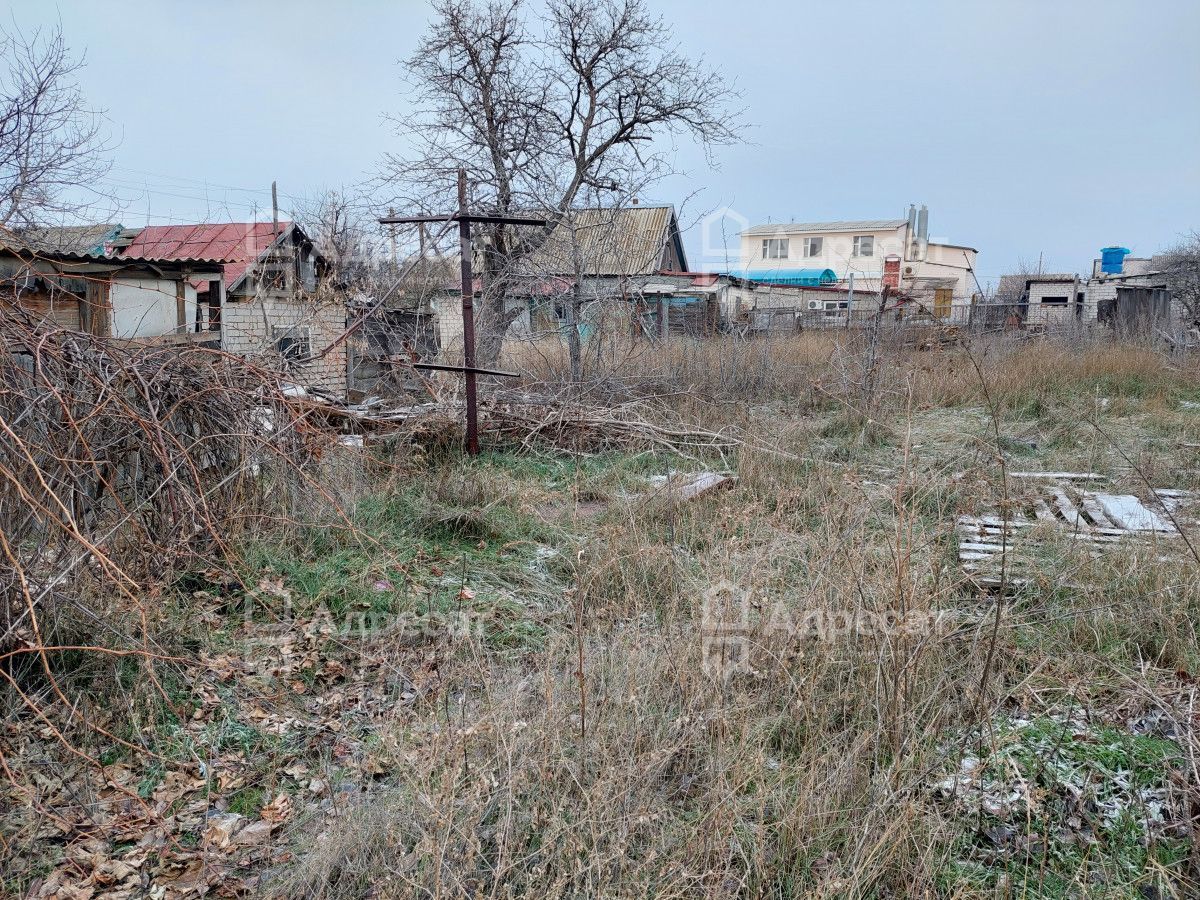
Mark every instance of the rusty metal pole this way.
pixel 464 220
pixel 468 313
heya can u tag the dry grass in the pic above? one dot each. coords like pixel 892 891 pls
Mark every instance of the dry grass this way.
pixel 588 741
pixel 828 367
pixel 809 774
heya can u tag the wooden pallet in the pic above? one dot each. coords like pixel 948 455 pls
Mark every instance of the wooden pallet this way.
pixel 1095 519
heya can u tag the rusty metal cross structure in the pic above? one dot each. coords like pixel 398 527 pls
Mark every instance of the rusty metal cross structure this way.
pixel 469 369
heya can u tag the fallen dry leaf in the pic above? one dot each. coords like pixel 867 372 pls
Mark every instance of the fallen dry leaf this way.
pixel 278 809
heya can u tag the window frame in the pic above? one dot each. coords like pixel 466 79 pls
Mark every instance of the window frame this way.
pixel 292 342
pixel 857 246
pixel 776 248
pixel 819 241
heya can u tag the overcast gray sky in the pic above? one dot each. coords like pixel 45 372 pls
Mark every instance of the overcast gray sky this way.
pixel 1056 126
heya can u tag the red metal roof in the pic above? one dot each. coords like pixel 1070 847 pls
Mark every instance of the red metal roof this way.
pixel 241 242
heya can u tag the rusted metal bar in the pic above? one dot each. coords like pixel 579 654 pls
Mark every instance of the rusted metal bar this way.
pixel 460 217
pixel 469 370
pixel 468 313
pixel 437 367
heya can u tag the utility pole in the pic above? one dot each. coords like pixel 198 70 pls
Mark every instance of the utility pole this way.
pixel 465 252
pixel 274 210
pixel 468 369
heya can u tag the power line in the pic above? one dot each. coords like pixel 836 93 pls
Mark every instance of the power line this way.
pixel 207 184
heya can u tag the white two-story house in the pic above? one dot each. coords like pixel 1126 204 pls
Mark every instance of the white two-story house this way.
pixel 877 252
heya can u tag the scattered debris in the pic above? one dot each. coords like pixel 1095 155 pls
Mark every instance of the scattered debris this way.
pixel 1097 519
pixel 1060 476
pixel 1126 511
pixel 689 487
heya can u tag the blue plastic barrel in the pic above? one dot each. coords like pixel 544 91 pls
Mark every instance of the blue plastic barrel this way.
pixel 1112 259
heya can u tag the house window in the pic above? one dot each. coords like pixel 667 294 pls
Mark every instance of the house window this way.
pixel 864 245
pixel 1054 301
pixel 775 248
pixel 292 342
pixel 812 246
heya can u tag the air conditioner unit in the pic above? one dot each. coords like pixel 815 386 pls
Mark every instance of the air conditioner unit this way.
pixel 815 304
pixel 908 270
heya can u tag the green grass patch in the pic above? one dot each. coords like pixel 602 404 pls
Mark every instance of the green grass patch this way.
pixel 1056 803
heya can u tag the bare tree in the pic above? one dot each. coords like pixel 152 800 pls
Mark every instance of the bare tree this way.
pixel 546 120
pixel 1181 266
pixel 346 235
pixel 51 146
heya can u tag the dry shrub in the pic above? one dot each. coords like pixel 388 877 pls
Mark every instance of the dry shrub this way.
pixel 121 467
pixel 669 781
pixel 718 367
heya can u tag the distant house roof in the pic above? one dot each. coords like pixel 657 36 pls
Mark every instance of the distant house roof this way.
pixel 953 246
pixel 237 244
pixel 841 225
pixel 1011 287
pixel 82 240
pixel 19 260
pixel 613 241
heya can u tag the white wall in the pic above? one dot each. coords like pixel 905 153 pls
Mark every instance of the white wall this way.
pixel 1041 314
pixel 448 308
pixel 246 329
pixel 944 261
pixel 941 260
pixel 145 307
pixel 837 252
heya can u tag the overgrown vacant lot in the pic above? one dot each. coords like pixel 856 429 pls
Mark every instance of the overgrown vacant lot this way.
pixel 543 672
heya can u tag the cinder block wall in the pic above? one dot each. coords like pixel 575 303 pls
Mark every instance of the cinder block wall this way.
pixel 246 329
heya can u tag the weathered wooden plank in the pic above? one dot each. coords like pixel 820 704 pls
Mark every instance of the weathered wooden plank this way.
pixel 1127 511
pixel 1095 512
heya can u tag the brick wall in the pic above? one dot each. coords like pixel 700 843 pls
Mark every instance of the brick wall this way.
pixel 248 326
pixel 1043 314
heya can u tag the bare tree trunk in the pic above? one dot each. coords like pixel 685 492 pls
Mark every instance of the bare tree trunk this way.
pixel 574 348
pixel 492 322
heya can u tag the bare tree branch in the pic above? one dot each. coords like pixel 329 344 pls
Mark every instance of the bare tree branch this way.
pixel 50 140
pixel 1181 266
pixel 575 113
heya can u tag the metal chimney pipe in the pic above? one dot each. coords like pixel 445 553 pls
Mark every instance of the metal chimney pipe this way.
pixel 923 229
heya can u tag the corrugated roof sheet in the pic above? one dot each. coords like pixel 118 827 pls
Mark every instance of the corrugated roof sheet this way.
pixel 239 244
pixel 81 240
pixel 613 241
pixel 93 263
pixel 841 225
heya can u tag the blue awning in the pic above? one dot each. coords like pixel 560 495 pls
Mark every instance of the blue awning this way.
pixel 801 277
